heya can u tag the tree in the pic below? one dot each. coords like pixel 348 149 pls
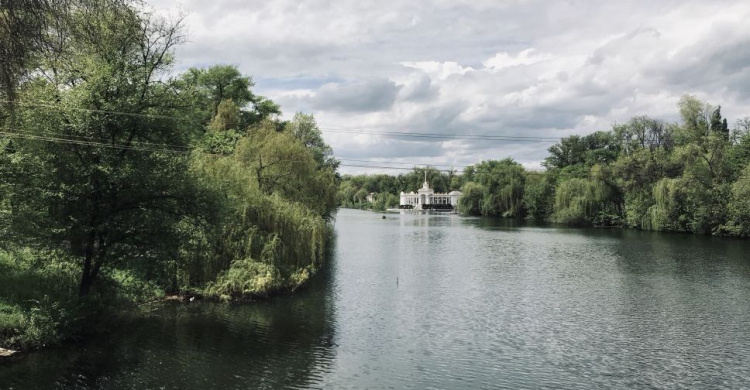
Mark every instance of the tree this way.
pixel 596 148
pixel 719 126
pixel 698 120
pixel 503 183
pixel 644 132
pixel 219 83
pixel 739 206
pixel 107 189
pixel 590 201
pixel 570 151
pixel 23 24
pixel 304 128
pixel 227 117
pixel 471 201
pixel 538 195
pixel 284 165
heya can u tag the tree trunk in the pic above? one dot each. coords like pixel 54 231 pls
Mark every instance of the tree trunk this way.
pixel 86 280
pixel 88 257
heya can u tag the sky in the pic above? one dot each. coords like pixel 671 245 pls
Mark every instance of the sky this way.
pixel 454 69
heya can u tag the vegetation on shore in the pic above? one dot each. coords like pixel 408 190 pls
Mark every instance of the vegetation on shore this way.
pixel 692 176
pixel 120 181
pixel 354 189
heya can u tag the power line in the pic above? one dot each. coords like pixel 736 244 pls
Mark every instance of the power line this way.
pixel 99 139
pixel 476 137
pixel 352 130
pixel 162 149
pixel 88 143
pixel 399 162
pixel 62 107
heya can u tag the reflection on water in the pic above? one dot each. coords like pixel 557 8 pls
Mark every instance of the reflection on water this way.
pixel 440 301
pixel 284 343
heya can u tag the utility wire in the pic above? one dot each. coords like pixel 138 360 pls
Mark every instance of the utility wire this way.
pixel 448 136
pixel 343 130
pixel 63 107
pixel 87 143
pixel 133 148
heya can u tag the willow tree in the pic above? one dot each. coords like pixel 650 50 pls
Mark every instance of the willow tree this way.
pixel 503 183
pixel 272 228
pixel 91 171
pixel 739 206
pixel 470 202
pixel 591 201
pixel 284 165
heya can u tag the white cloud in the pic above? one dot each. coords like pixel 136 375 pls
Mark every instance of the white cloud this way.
pixel 505 60
pixel 439 70
pixel 516 67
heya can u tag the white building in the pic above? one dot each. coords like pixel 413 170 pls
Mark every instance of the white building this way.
pixel 425 198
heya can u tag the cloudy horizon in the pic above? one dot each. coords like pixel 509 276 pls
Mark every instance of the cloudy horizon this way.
pixel 515 68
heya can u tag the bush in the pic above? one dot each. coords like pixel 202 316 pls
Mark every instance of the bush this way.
pixel 246 278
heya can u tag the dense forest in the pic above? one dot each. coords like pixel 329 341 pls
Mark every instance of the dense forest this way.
pixel 692 176
pixel 121 179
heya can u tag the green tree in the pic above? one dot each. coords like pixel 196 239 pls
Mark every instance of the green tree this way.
pixel 23 27
pixel 227 117
pixel 503 182
pixel 538 195
pixel 739 206
pixel 103 190
pixel 283 164
pixel 305 129
pixel 471 201
pixel 590 201
pixel 644 132
pixel 219 83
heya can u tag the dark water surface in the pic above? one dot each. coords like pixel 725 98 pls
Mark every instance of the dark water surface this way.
pixel 429 301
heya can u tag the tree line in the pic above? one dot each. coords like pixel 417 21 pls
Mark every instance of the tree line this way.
pixel 689 176
pixel 119 177
pixel 354 189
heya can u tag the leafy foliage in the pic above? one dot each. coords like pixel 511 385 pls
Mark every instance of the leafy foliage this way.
pixel 645 173
pixel 123 182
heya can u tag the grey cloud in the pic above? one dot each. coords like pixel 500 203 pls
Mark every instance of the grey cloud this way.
pixel 607 59
pixel 734 58
pixel 614 47
pixel 420 91
pixel 392 149
pixel 365 96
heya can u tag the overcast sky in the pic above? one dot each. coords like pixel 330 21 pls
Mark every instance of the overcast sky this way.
pixel 529 68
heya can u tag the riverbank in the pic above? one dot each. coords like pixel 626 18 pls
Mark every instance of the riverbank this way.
pixel 39 306
pixel 480 303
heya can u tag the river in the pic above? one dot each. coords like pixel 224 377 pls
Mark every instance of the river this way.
pixel 440 301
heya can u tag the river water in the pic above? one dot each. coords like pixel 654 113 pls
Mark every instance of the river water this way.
pixel 441 301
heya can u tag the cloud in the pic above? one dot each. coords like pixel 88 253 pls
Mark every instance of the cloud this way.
pixel 506 60
pixel 461 67
pixel 358 96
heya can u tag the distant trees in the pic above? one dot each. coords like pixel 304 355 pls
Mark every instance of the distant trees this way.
pixel 381 185
pixel 645 173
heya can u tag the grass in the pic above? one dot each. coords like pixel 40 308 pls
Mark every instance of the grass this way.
pixel 39 304
pixel 248 279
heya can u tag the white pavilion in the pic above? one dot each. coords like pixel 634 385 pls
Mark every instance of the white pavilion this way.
pixel 425 198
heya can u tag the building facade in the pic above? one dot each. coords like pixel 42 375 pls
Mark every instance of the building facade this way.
pixel 426 199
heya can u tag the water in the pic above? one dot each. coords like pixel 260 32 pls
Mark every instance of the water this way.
pixel 440 301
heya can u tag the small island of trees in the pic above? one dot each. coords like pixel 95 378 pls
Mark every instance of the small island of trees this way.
pixel 121 180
